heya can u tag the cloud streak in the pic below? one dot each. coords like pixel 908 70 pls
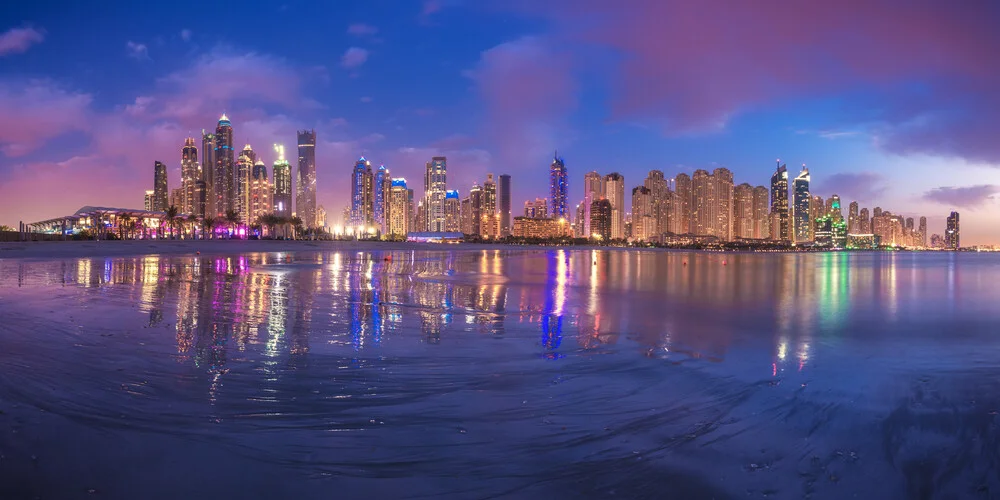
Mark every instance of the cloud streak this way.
pixel 19 40
pixel 137 51
pixel 354 57
pixel 361 29
pixel 970 197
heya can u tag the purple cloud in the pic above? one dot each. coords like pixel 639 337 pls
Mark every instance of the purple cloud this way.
pixel 361 29
pixel 37 110
pixel 19 40
pixel 137 50
pixel 970 197
pixel 186 35
pixel 354 57
pixel 864 187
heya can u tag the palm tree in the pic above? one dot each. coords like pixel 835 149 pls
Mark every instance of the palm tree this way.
pixel 171 219
pixel 192 221
pixel 267 221
pixel 208 227
pixel 124 221
pixel 233 219
pixel 297 224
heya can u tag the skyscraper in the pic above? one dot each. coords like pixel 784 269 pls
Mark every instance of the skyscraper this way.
pixel 380 195
pixel 593 189
pixel 800 207
pixel 399 210
pixel 833 209
pixel 208 171
pixel 190 173
pixel 853 227
pixel 761 227
pixel 779 202
pixel 558 188
pixel 435 185
pixel 362 194
pixel 305 188
pixel 681 218
pixel 452 211
pixel 923 231
pixel 282 172
pixel 614 192
pixel 475 212
pixel 743 211
pixel 817 209
pixel 244 171
pixel 701 187
pixel 601 215
pixel 225 163
pixel 660 191
pixel 503 199
pixel 200 191
pixel 148 201
pixel 160 194
pixel 489 225
pixel 951 233
pixel 261 193
pixel 644 223
pixel 864 223
pixel 722 203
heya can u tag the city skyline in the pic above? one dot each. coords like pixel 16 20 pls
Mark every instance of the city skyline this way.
pixel 71 129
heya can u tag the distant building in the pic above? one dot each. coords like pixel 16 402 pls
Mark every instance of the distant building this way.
pixel 937 241
pixel 208 171
pixel 261 192
pixel 644 223
pixel 190 174
pixel 593 189
pixel 923 231
pixel 614 193
pixel 148 202
pixel 680 214
pixel 537 209
pixel 489 223
pixel 779 203
pixel 452 211
pixel 362 193
pixel 862 241
pixel 743 212
pixel 659 189
pixel 525 227
pixel 225 163
pixel 800 207
pixel 761 224
pixel 380 196
pixel 399 208
pixel 161 196
pixel 601 215
pixel 951 233
pixel 282 172
pixel 305 188
pixel 558 188
pixel 244 172
pixel 435 186
pixel 853 221
pixel 503 200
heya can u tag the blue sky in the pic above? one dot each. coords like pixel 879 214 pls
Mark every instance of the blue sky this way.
pixel 891 104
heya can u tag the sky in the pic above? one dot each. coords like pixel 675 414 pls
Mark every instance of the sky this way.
pixel 890 103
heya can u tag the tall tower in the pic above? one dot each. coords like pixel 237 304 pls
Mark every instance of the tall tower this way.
pixel 702 194
pixel 923 231
pixel 362 194
pixel 190 173
pixel 503 199
pixel 380 195
pixel 261 194
pixel 779 203
pixel 681 218
pixel 800 207
pixel 852 218
pixel 558 188
pixel 208 172
pixel 614 191
pixel 722 203
pixel 160 193
pixel 225 162
pixel 282 172
pixel 951 233
pixel 761 228
pixel 399 210
pixel 644 223
pixel 593 190
pixel 489 224
pixel 305 188
pixel 452 211
pixel 660 191
pixel 435 185
pixel 743 211
pixel 244 170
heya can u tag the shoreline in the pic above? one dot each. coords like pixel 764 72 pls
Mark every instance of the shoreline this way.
pixel 125 248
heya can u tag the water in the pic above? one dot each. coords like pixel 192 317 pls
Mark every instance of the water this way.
pixel 511 374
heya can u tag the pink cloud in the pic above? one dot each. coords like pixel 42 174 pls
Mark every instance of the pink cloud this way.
pixel 969 197
pixel 361 29
pixel 19 40
pixel 37 110
pixel 354 57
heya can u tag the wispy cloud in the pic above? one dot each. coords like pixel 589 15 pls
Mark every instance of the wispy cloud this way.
pixel 861 186
pixel 137 51
pixel 186 35
pixel 962 197
pixel 354 57
pixel 19 40
pixel 361 29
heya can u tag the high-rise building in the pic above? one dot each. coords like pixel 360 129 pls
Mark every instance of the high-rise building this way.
pixel 200 193
pixel 853 226
pixel 261 192
pixel 722 204
pixel 452 211
pixel 779 203
pixel 305 188
pixel 362 194
pixel 176 198
pixel 190 173
pixel 660 191
pixel 614 192
pixel 601 215
pixel 712 203
pixel 489 225
pixel 380 196
pixel 465 215
pixel 243 175
pixel 160 193
pixel 321 217
pixel 817 209
pixel 800 207
pixel 923 231
pixel 282 173
pixel 558 188
pixel 833 208
pixel 208 171
pixel 148 202
pixel 864 222
pixel 593 189
pixel 681 217
pixel 475 210
pixel 951 233
pixel 225 163
pixel 537 209
pixel 435 185
pixel 877 212
pixel 503 200
pixel 644 223
pixel 761 225
pixel 743 211
pixel 399 208
pixel 578 226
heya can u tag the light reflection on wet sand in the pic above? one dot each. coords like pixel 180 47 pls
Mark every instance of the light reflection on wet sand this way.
pixel 521 373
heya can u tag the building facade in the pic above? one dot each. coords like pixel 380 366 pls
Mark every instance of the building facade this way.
pixel 243 175
pixel 601 214
pixel 452 211
pixel 362 194
pixel 261 192
pixel 544 228
pixel 951 233
pixel 779 203
pixel 593 189
pixel 558 188
pixel 614 193
pixel 225 164
pixel 801 214
pixel 161 195
pixel 399 208
pixel 504 206
pixel 435 187
pixel 190 174
pixel 680 216
pixel 305 185
pixel 282 172
pixel 644 222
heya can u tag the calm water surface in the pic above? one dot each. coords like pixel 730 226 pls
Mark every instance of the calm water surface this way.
pixel 512 374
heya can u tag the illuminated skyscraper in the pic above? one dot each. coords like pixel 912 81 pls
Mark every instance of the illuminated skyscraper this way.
pixel 200 191
pixel 601 215
pixel 474 214
pixel 489 224
pixel 701 218
pixel 660 191
pixel 282 172
pixel 817 209
pixel 305 188
pixel 558 188
pixel 743 211
pixel 503 200
pixel 190 173
pixel 399 208
pixel 853 227
pixel 593 189
pixel 761 226
pixel 148 201
pixel 833 208
pixel 160 194
pixel 435 185
pixel 261 193
pixel 225 163
pixel 712 203
pixel 537 209
pixel 923 231
pixel 951 233
pixel 800 207
pixel 864 222
pixel 779 203
pixel 452 211
pixel 244 172
pixel 644 224
pixel 362 194
pixel 722 203
pixel 380 195
pixel 614 191
pixel 208 171
pixel 681 217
